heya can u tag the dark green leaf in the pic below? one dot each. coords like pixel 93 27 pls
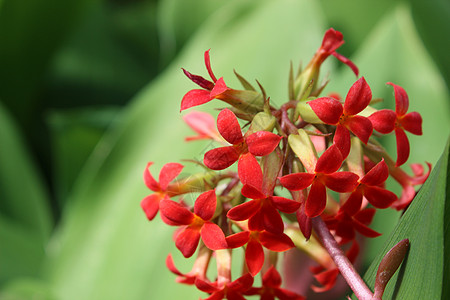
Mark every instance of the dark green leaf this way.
pixel 421 274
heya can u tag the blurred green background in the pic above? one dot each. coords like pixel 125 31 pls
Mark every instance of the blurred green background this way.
pixel 90 91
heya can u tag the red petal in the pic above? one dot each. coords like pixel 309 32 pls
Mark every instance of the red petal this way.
pixel 358 97
pixel 327 279
pixel 297 181
pixel 213 236
pixel 412 122
pixel 361 127
pixel 149 181
pixel 194 98
pixel 365 216
pixel 262 143
pixel 250 171
pixel 342 140
pixel 199 80
pixel 171 266
pixel 251 192
pixel 205 205
pixel 402 147
pixel 276 242
pixel 229 127
pixel 219 88
pixel 379 197
pixel 208 65
pixel 241 284
pixel 383 120
pixel 304 222
pixel 377 175
pixel 353 203
pixel 285 205
pixel 271 219
pixel 202 123
pixel 176 213
pixel 150 205
pixel 244 211
pixel 256 222
pixel 328 110
pixel 205 286
pixel 332 40
pixel 330 161
pixel 168 173
pixel 272 278
pixel 364 230
pixel 254 257
pixel 187 241
pixel 317 200
pixel 347 61
pixel 401 99
pixel 341 182
pixel 220 158
pixel 238 239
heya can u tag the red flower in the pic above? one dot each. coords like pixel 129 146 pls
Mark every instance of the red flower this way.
pixel 345 225
pixel 369 187
pixel 332 40
pixel 255 240
pixel 325 175
pixel 271 288
pixel 204 124
pixel 196 224
pixel 231 290
pixel 408 182
pixel 260 143
pixel 210 90
pixel 385 121
pixel 345 117
pixel 261 212
pixel 150 204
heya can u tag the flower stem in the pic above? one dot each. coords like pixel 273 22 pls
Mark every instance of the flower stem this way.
pixel 346 268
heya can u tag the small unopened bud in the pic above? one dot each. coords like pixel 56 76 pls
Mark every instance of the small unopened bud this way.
pixel 388 265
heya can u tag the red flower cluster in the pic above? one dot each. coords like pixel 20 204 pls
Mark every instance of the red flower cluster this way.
pixel 280 181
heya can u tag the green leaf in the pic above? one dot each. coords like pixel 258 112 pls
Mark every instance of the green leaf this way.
pixel 25 220
pixel 421 274
pixel 105 248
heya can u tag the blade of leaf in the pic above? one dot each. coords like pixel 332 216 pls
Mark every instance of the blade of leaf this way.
pixel 421 274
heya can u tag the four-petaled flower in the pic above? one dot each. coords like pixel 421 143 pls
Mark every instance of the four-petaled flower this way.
pixel 255 240
pixel 271 288
pixel 196 224
pixel 260 143
pixel 386 120
pixel 345 225
pixel 325 175
pixel 150 204
pixel 369 187
pixel 330 111
pixel 230 290
pixel 210 90
pixel 261 212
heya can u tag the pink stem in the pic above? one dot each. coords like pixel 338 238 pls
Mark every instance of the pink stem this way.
pixel 346 268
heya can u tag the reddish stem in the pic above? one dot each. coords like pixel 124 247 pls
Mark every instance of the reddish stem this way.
pixel 346 268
